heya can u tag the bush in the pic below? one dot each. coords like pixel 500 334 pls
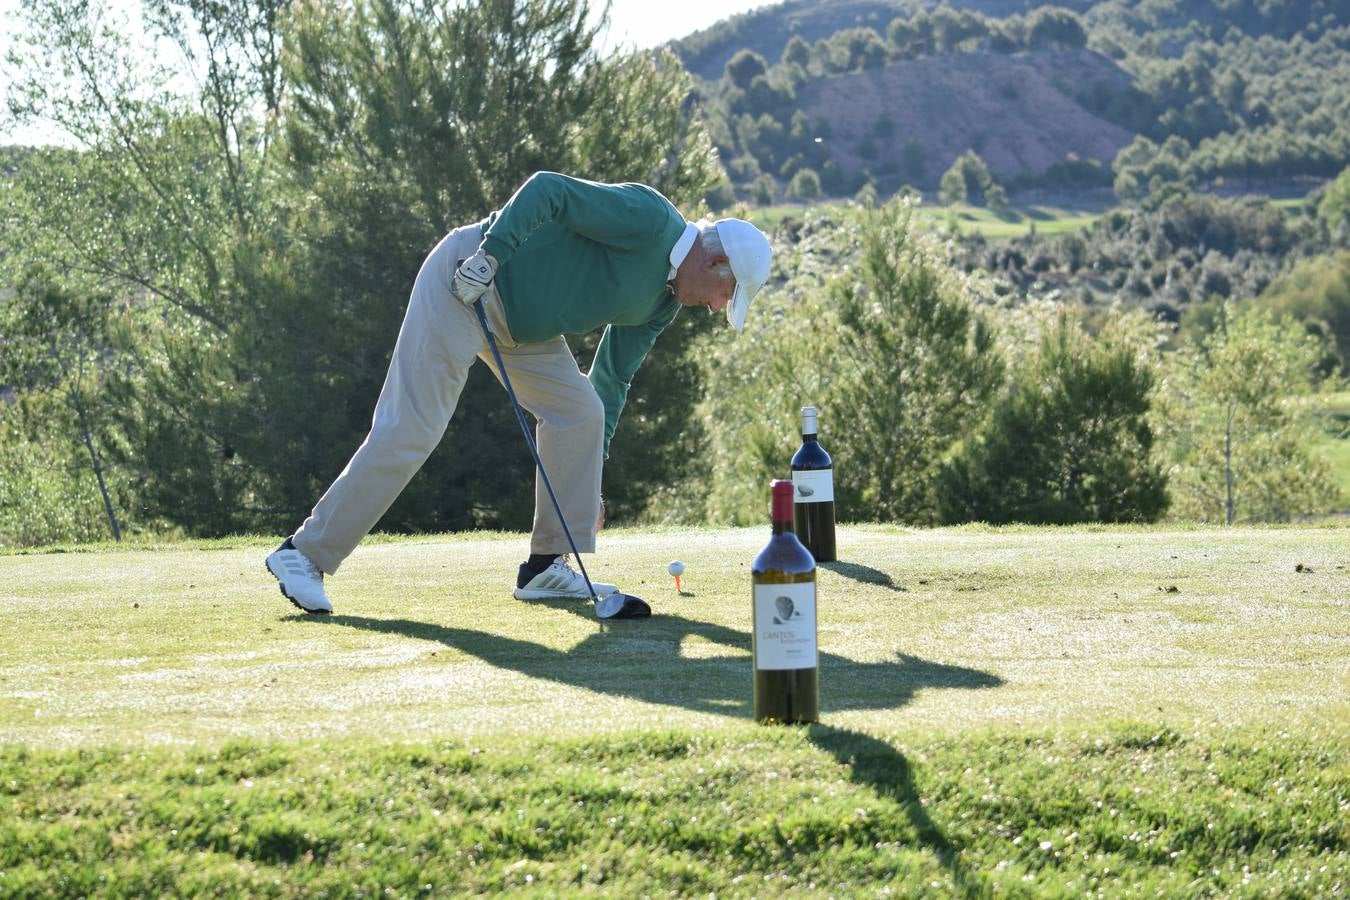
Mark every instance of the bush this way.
pixel 1070 440
pixel 805 185
pixel 1237 428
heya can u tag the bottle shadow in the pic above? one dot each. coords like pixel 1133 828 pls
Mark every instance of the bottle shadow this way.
pixel 885 771
pixel 864 574
pixel 711 671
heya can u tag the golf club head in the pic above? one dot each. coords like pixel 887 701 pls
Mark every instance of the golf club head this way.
pixel 619 605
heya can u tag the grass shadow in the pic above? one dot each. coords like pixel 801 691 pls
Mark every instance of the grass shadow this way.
pixel 618 659
pixel 883 769
pixel 864 574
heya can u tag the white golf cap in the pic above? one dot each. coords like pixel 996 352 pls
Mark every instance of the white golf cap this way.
pixel 749 252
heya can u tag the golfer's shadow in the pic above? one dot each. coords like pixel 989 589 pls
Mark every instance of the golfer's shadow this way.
pixel 709 672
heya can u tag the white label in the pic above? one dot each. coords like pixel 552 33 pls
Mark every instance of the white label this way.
pixel 785 626
pixel 815 486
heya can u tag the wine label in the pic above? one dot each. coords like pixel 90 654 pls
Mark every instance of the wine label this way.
pixel 813 486
pixel 785 626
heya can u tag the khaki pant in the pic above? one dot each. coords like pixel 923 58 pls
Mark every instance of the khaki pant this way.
pixel 439 341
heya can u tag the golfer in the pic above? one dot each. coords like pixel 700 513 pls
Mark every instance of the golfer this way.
pixel 562 256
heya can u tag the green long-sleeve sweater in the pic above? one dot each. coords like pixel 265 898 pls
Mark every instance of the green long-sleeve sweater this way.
pixel 574 256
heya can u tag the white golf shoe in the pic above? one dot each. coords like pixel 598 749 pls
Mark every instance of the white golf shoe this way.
pixel 560 580
pixel 300 580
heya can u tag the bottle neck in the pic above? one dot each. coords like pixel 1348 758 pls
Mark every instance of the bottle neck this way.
pixel 808 423
pixel 808 438
pixel 781 507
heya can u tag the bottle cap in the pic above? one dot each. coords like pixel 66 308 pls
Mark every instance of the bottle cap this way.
pixel 782 500
pixel 808 420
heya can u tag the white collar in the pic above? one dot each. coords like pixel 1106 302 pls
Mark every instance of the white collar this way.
pixel 682 247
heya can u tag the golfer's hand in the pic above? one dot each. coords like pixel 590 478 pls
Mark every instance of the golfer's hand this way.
pixel 600 519
pixel 473 277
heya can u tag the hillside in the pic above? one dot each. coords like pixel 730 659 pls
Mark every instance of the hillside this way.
pixel 938 107
pixel 1083 95
pixel 768 29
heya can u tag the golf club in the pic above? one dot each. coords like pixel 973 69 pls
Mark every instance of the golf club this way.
pixel 616 605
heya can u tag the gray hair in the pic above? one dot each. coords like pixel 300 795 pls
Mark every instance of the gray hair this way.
pixel 712 245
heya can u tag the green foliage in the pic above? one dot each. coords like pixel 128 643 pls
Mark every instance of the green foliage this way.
pixel 1317 293
pixel 1334 208
pixel 1168 258
pixel 48 491
pixel 952 189
pixel 1069 441
pixel 63 347
pixel 745 67
pixel 969 180
pixel 918 366
pixel 805 185
pixel 894 353
pixel 1239 435
pixel 1054 26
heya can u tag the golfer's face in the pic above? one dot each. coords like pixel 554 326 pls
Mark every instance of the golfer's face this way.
pixel 720 296
pixel 709 290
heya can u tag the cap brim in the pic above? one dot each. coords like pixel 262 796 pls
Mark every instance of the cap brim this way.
pixel 738 307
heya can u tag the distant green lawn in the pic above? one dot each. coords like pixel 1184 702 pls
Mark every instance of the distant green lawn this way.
pixel 1056 711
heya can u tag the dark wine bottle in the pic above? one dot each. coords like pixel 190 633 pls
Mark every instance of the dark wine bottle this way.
pixel 813 492
pixel 786 664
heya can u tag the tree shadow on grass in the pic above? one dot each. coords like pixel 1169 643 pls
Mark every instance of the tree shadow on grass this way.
pixel 712 674
pixel 864 574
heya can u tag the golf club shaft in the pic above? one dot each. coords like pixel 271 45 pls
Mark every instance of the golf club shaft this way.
pixel 529 440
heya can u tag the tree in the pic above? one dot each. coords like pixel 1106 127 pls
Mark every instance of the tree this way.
pixel 1054 25
pixel 160 209
pixel 60 354
pixel 919 361
pixel 805 185
pixel 1317 294
pixel 744 67
pixel 1237 426
pixel 797 52
pixel 969 181
pixel 1069 441
pixel 952 187
pixel 1334 208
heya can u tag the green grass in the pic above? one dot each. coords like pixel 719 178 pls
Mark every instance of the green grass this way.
pixel 1020 711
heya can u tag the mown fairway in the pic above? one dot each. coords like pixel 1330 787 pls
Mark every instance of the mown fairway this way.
pixel 1031 711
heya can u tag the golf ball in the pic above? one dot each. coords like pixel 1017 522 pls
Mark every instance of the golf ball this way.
pixel 675 568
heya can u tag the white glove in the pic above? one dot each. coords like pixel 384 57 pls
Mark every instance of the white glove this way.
pixel 473 277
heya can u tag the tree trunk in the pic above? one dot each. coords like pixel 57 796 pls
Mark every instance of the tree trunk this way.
pixel 88 436
pixel 1228 467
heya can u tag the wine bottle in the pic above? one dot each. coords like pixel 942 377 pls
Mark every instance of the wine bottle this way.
pixel 786 664
pixel 813 492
